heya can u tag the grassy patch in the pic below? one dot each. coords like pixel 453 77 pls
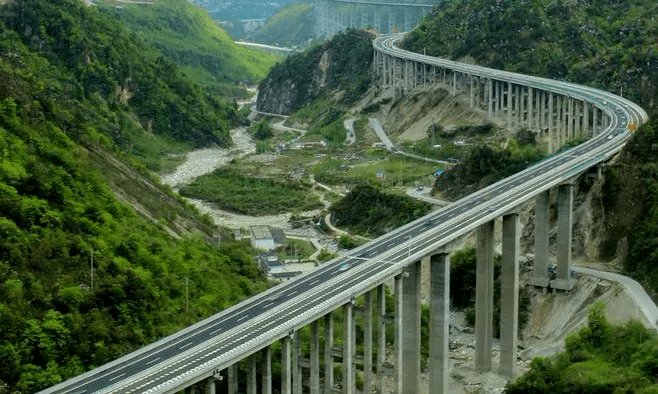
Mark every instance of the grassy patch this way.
pixel 295 158
pixel 158 153
pixel 231 190
pixel 397 171
pixel 295 249
pixel 326 255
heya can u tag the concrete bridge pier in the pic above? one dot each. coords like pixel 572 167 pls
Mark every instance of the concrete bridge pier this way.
pixel 233 379
pixel 315 359
pixel 266 370
pixel 518 106
pixel 557 121
pixel 570 119
pixel 564 231
pixel 210 386
pixel 490 103
pixel 499 99
pixel 563 119
pixel 349 383
pixel 540 275
pixel 378 21
pixel 387 62
pixel 296 367
pixel 541 115
pixel 454 83
pixel 509 294
pixel 286 366
pixel 532 97
pixel 551 126
pixel 586 126
pixel 439 322
pixel 328 355
pixel 251 375
pixel 381 336
pixel 391 19
pixel 408 26
pixel 367 343
pixel 410 361
pixel 508 104
pixel 479 90
pixel 484 278
pixel 578 118
pixel 472 96
pixel 398 333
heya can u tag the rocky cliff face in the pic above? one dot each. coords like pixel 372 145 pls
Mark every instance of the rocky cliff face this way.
pixel 291 91
pixel 342 64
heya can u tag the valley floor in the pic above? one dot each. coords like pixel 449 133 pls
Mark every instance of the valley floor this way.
pixel 554 315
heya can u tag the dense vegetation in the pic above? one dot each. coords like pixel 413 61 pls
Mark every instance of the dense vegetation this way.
pixel 600 358
pixel 630 199
pixel 463 265
pixel 85 68
pixel 290 26
pixel 369 212
pixel 483 165
pixel 76 88
pixel 602 43
pixel 188 36
pixel 342 64
pixel 231 190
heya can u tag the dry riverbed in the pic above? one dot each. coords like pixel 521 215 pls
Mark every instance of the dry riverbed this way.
pixel 203 161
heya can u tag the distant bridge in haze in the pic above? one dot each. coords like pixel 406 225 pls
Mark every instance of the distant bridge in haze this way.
pixel 266 48
pixel 386 17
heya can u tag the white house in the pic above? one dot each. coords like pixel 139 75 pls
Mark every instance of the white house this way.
pixel 265 237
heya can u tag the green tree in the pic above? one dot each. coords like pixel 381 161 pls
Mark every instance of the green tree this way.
pixel 262 130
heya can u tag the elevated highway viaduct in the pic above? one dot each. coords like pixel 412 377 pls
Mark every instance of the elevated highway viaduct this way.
pixel 333 16
pixel 296 312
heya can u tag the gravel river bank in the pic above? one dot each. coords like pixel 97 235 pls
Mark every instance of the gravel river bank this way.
pixel 204 161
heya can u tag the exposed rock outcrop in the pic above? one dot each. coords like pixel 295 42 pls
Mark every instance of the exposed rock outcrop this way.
pixel 342 64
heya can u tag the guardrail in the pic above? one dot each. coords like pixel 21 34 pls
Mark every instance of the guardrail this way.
pixel 326 288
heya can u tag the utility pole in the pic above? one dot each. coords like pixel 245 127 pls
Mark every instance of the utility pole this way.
pixel 433 132
pixel 92 269
pixel 187 294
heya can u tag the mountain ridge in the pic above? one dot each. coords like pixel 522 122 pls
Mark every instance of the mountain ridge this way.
pixel 88 111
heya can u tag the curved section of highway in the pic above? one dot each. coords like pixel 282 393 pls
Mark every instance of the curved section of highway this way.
pixel 211 345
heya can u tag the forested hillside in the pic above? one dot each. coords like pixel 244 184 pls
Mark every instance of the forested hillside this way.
pixel 600 358
pixel 630 199
pixel 293 25
pixel 341 64
pixel 188 35
pixel 609 44
pixel 79 91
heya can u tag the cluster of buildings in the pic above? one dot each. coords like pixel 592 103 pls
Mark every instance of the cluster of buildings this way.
pixel 267 239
